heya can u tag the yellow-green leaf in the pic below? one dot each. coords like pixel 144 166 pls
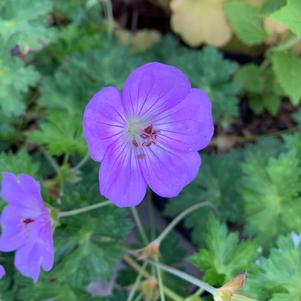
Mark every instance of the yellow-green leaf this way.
pixel 290 16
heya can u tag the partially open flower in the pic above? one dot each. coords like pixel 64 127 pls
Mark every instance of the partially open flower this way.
pixel 26 225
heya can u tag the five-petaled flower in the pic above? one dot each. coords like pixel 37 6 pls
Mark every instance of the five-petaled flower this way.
pixel 26 225
pixel 148 134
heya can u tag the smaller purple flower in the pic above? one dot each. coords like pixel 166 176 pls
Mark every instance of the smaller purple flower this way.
pixel 2 271
pixel 26 225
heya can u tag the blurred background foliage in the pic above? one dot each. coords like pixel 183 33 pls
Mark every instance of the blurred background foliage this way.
pixel 55 54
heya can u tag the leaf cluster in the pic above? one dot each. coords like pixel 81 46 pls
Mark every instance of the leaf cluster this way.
pixel 271 192
pixel 276 22
pixel 224 256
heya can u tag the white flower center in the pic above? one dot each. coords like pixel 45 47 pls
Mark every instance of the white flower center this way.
pixel 134 127
pixel 141 133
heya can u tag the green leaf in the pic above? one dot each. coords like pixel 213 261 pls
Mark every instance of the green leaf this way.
pixel 7 130
pixel 281 270
pixel 60 135
pixel 90 261
pixel 290 16
pixel 246 22
pixel 107 66
pixel 18 163
pixel 262 88
pixel 270 189
pixel 271 6
pixel 46 289
pixel 25 23
pixel 297 117
pixel 171 252
pixel 271 103
pixel 89 246
pixel 293 141
pixel 92 36
pixel 6 282
pixel 79 11
pixel 207 69
pixel 65 91
pixel 216 183
pixel 224 257
pixel 81 75
pixel 50 288
pixel 250 78
pixel 15 78
pixel 287 68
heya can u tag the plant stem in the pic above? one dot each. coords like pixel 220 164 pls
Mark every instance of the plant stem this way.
pixel 66 159
pixel 57 170
pixel 176 220
pixel 139 225
pixel 84 209
pixel 162 296
pixel 51 161
pixel 51 299
pixel 287 44
pixel 136 283
pixel 264 64
pixel 82 162
pixel 108 9
pixel 198 292
pixel 168 292
pixel 151 220
pixel 139 297
pixel 151 214
pixel 199 283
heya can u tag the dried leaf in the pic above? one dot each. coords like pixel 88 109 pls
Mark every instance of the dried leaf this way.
pixel 201 21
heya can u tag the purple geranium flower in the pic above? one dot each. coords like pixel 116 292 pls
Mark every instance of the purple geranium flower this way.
pixel 148 134
pixel 26 225
pixel 2 271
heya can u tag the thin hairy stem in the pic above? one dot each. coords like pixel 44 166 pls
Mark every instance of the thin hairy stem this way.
pixel 181 216
pixel 139 297
pixel 135 266
pixel 84 209
pixel 81 163
pixel 139 225
pixel 151 214
pixel 287 44
pixel 199 283
pixel 161 290
pixel 51 161
pixel 137 282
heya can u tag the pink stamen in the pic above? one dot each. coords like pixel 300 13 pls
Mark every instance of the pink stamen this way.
pixel 150 134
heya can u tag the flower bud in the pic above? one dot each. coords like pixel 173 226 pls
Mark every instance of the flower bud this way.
pixel 231 290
